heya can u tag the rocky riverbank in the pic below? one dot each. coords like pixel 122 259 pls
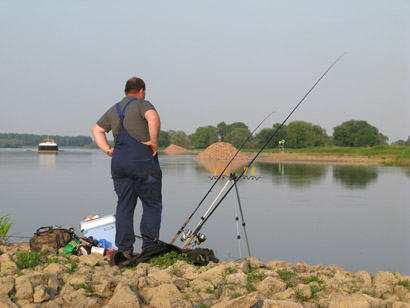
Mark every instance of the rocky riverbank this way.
pixel 88 281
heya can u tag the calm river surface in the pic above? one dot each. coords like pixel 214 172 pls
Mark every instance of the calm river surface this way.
pixel 357 217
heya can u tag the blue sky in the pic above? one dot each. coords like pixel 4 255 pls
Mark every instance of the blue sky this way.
pixel 63 63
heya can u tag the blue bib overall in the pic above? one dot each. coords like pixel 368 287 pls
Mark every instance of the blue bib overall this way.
pixel 136 173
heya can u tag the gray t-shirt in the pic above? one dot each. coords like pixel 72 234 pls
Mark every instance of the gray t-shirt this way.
pixel 134 120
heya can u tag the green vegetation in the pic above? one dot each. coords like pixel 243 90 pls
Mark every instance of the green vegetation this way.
pixel 300 297
pixel 285 275
pixel 204 137
pixel 73 265
pixel 405 283
pixel 315 289
pixel 310 279
pixel 88 288
pixel 27 140
pixel 302 134
pixel 297 134
pixel 252 275
pixel 357 134
pixel 168 259
pixel 30 259
pixel 5 225
pixel 202 305
pixel 393 155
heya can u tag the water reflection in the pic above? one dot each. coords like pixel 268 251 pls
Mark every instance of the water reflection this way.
pixel 217 166
pixel 296 175
pixel 47 160
pixel 406 171
pixel 355 176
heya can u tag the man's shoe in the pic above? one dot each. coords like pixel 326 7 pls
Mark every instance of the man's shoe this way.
pixel 127 254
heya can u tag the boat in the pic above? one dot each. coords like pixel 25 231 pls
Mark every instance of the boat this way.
pixel 48 146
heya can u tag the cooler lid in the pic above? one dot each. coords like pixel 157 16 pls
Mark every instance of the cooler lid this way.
pixel 105 220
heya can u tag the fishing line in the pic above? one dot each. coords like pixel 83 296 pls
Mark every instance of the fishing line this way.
pixel 219 177
pixel 204 219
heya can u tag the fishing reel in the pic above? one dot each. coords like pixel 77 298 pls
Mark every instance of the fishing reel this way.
pixel 186 234
pixel 200 238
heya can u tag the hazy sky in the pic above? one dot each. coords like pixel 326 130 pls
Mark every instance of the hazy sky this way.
pixel 63 63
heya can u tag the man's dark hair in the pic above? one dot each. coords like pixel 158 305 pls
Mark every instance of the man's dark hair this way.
pixel 134 85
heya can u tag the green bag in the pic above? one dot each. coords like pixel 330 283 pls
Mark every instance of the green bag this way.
pixel 48 238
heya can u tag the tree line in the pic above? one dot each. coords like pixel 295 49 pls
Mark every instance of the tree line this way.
pixel 297 134
pixel 12 140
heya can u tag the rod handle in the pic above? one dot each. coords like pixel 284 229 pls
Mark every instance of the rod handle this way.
pixel 179 232
pixel 188 241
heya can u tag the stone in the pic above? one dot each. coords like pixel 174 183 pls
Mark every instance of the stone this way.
pixel 214 275
pixel 270 303
pixel 271 285
pixel 187 271
pixel 275 265
pixel 24 289
pixel 89 302
pixel 169 303
pixel 7 264
pixel 384 283
pixel 124 297
pixel 164 290
pixel 304 291
pixel 92 259
pixel 160 276
pixel 244 301
pixel 350 301
pixel 302 267
pixel 242 264
pixel 362 280
pixel 56 269
pixel 400 305
pixel 105 289
pixel 402 293
pixel 287 294
pixel 240 279
pixel 40 294
pixel 72 299
pixel 333 268
pixel 201 285
pixel 6 285
pixel 255 263
pixel 5 302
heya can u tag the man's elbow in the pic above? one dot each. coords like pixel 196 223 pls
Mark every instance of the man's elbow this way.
pixel 97 130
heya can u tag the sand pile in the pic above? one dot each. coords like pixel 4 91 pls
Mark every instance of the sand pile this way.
pixel 175 149
pixel 221 151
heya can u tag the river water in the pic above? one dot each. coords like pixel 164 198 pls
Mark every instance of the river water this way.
pixel 357 217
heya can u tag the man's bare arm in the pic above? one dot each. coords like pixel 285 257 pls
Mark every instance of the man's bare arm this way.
pixel 154 126
pixel 100 138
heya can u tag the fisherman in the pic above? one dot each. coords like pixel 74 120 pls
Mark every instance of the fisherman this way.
pixel 135 168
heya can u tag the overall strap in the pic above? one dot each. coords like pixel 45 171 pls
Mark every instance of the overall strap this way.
pixel 121 114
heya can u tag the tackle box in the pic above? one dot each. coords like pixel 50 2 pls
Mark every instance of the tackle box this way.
pixel 100 228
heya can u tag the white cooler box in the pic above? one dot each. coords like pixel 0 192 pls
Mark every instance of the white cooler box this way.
pixel 100 228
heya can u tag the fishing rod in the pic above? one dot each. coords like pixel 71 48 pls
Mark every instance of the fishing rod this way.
pixel 210 212
pixel 219 177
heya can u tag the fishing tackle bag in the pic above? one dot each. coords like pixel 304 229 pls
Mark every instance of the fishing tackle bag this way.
pixel 198 256
pixel 48 238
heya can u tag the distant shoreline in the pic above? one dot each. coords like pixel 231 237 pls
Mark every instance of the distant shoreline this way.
pixel 316 158
pixel 397 157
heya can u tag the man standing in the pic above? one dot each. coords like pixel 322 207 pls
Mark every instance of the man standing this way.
pixel 135 168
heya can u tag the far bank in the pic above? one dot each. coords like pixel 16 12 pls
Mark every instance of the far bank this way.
pixel 398 156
